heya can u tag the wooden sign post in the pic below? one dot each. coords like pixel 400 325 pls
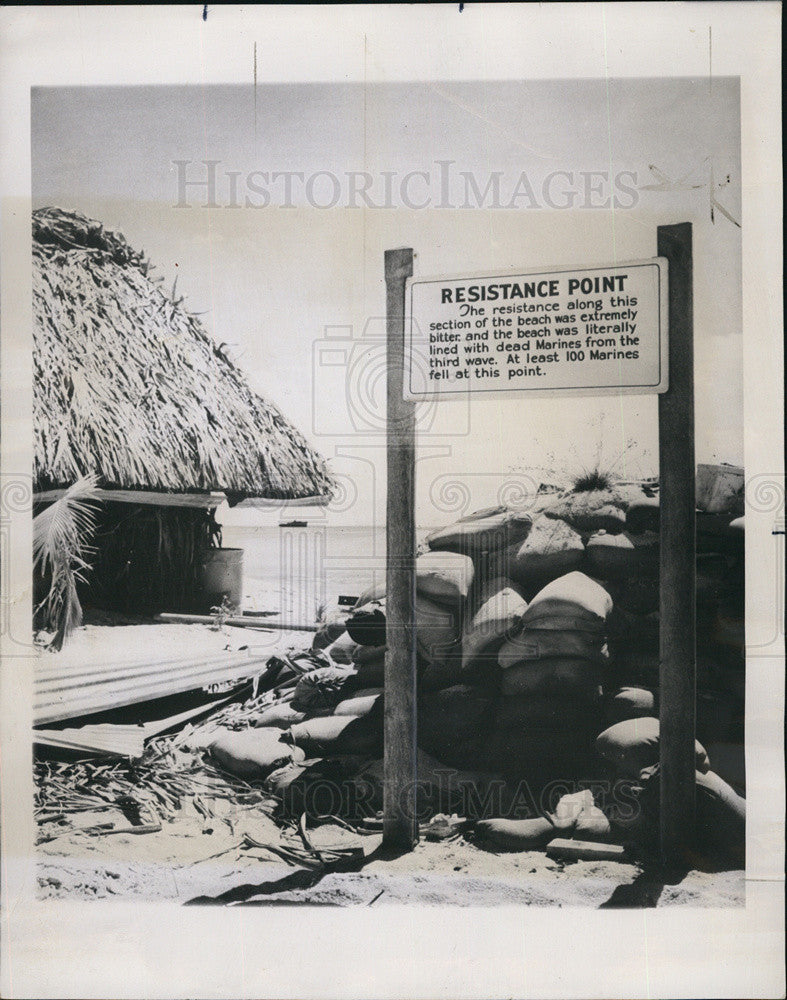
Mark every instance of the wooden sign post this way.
pixel 400 826
pixel 466 336
pixel 678 625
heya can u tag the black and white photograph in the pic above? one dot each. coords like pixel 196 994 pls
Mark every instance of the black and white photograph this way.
pixel 380 524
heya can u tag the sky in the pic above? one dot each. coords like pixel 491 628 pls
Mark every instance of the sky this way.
pixel 295 288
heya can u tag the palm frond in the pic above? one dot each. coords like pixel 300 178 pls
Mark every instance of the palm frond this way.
pixel 62 533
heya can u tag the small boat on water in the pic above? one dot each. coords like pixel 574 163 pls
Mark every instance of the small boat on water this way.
pixel 292 524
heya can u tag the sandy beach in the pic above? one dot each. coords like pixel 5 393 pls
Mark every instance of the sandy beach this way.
pixel 180 864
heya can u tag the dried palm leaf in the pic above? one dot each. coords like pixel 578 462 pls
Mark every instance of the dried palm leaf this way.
pixel 62 533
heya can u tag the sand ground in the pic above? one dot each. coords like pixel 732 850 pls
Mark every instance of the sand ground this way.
pixel 181 864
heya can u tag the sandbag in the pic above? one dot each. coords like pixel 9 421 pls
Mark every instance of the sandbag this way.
pixel 720 811
pixel 366 625
pixel 720 533
pixel 623 555
pixel 634 630
pixel 488 582
pixel 497 618
pixel 281 715
pixel 328 632
pixel 540 754
pixel 372 594
pixel 640 667
pixel 633 746
pixel 319 787
pixel 252 753
pixel 361 703
pixel 551 713
pixel 630 703
pixel 444 577
pixel 634 651
pixel 320 690
pixel 437 628
pixel 280 780
pixel 567 623
pixel 552 549
pixel 339 734
pixel 573 596
pixel 558 675
pixel 540 644
pixel 729 763
pixel 720 718
pixel 440 789
pixel 587 511
pixel 515 834
pixel 342 649
pixel 729 631
pixel 483 531
pixel 365 656
pixel 588 821
pixel 369 666
pixel 644 515
pixel 638 595
pixel 712 586
pixel 435 675
pixel 450 718
pixel 721 815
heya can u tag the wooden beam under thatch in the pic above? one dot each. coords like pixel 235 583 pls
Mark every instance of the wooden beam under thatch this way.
pixel 262 503
pixel 129 386
pixel 206 501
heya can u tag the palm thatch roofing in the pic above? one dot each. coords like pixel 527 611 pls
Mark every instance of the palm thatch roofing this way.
pixel 128 385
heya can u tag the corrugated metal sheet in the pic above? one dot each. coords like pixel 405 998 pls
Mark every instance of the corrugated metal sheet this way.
pixel 65 691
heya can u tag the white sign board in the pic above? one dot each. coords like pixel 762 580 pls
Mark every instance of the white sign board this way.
pixel 589 331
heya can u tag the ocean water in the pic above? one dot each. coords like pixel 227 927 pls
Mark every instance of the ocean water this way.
pixel 302 569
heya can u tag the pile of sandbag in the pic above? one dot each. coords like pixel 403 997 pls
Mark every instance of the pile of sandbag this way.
pixel 453 714
pixel 635 631
pixel 443 581
pixel 316 708
pixel 553 667
pixel 536 632
pixel 332 711
pixel 631 748
pixel 551 664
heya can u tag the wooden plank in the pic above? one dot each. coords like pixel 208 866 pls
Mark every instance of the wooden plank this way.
pixel 244 622
pixel 145 497
pixel 400 827
pixel 584 850
pixel 677 483
pixel 120 740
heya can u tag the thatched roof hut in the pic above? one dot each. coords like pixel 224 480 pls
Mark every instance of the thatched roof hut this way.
pixel 130 390
pixel 128 384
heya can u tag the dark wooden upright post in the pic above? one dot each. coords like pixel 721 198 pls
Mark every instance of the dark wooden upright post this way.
pixel 400 827
pixel 678 645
